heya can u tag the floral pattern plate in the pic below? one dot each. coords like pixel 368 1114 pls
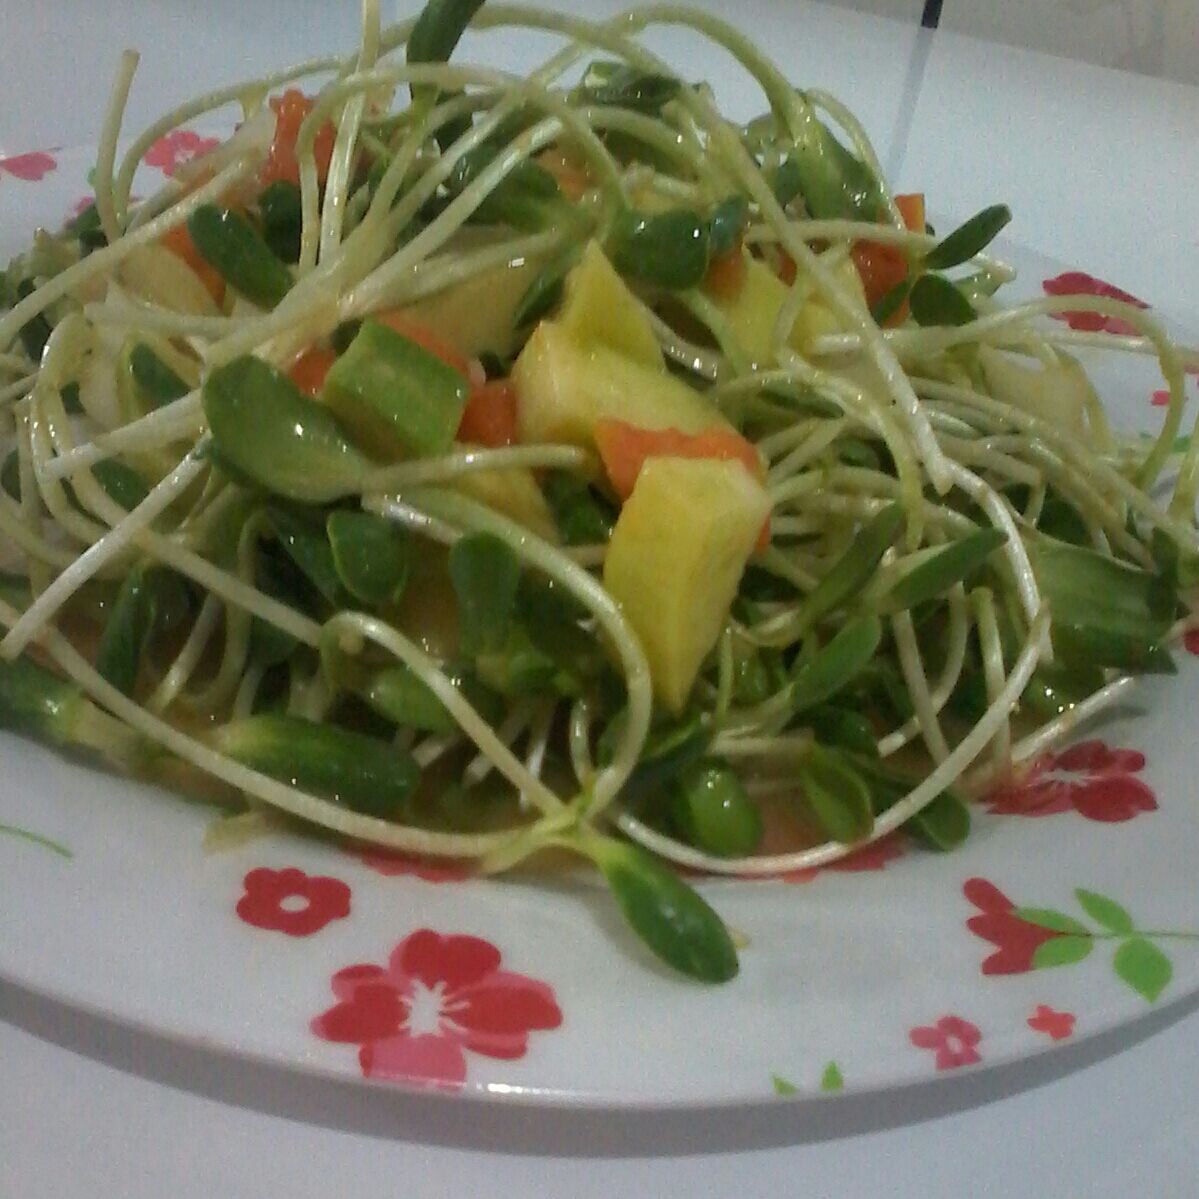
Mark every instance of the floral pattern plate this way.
pixel 1071 909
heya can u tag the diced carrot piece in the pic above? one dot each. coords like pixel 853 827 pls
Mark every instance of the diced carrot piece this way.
pixel 624 449
pixel 885 267
pixel 290 110
pixel 726 274
pixel 572 178
pixel 788 271
pixel 911 208
pixel 427 339
pixel 179 241
pixel 309 370
pixel 490 415
pixel 882 268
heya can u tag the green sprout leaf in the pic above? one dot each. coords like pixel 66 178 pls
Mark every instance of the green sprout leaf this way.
pixel 968 239
pixel 936 301
pixel 671 918
pixel 485 574
pixel 836 794
pixel 668 249
pixel 832 1079
pixel 837 664
pixel 372 556
pixel 850 573
pixel 935 574
pixel 272 434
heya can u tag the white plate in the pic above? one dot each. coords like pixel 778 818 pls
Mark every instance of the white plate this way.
pixel 853 979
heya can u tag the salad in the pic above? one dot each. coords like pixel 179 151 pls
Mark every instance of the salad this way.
pixel 519 469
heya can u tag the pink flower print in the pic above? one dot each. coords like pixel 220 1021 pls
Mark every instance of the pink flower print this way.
pixel 1055 1025
pixel 429 870
pixel 1076 283
pixel 872 857
pixel 954 1041
pixel 178 148
pixel 438 997
pixel 290 901
pixel 1016 940
pixel 1090 778
pixel 29 167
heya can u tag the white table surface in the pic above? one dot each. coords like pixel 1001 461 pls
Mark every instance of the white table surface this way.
pixel 1102 169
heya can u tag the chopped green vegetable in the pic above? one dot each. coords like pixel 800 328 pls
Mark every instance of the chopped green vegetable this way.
pixel 394 396
pixel 403 698
pixel 834 183
pixel 38 703
pixel 36 331
pixel 149 600
pixel 282 219
pixel 302 535
pixel 618 85
pixel 580 514
pixel 726 225
pixel 437 32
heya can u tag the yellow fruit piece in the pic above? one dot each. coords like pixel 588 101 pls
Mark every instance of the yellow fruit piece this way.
pixel 676 556
pixel 753 313
pixel 479 315
pixel 153 273
pixel 513 492
pixel 600 310
pixel 565 388
pixel 1057 394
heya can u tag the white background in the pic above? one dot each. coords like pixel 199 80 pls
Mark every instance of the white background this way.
pixel 1102 169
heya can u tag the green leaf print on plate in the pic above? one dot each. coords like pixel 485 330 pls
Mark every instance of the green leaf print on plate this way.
pixel 1035 938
